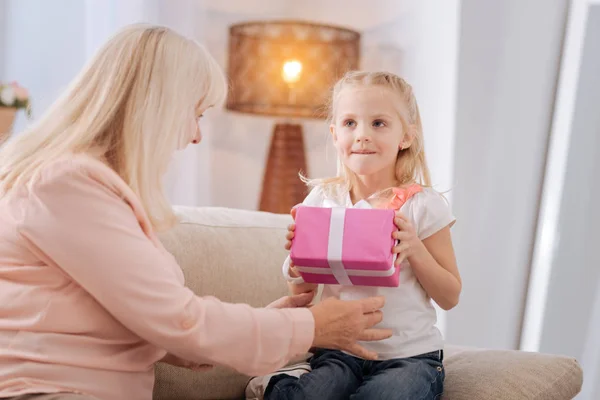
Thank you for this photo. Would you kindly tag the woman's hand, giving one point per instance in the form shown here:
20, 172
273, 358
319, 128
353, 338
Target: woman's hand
180, 362
410, 244
340, 324
297, 300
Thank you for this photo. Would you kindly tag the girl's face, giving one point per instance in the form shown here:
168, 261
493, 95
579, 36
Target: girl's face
367, 130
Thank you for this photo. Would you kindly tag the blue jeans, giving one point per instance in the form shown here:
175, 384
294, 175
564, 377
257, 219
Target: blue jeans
336, 375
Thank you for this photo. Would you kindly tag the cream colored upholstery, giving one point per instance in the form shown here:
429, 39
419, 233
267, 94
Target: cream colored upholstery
236, 256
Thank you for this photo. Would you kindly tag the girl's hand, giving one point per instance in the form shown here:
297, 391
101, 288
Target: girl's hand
290, 236
410, 244
288, 244
291, 229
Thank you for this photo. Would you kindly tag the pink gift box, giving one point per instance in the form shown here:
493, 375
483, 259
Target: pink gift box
345, 246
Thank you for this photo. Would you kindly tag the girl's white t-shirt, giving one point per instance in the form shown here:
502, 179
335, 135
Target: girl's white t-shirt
408, 310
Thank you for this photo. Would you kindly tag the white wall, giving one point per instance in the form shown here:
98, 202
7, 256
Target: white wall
3, 18
508, 66
44, 48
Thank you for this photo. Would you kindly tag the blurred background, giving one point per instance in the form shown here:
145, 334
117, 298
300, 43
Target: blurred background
509, 93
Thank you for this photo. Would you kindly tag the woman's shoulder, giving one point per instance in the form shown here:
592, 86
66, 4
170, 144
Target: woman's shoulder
79, 169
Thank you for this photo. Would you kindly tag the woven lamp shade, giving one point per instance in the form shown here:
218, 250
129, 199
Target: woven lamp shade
261, 84
258, 51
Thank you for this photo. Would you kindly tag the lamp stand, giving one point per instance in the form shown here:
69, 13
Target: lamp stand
282, 188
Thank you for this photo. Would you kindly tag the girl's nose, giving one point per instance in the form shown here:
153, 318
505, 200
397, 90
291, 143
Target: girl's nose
362, 136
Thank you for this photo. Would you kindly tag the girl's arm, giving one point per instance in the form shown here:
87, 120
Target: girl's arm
299, 286
432, 260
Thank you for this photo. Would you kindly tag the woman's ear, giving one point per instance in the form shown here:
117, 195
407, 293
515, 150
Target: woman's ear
332, 131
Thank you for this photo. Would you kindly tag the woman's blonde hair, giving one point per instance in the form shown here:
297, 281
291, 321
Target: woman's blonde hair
131, 106
411, 165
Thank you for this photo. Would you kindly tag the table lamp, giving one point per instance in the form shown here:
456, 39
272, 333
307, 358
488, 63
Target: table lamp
286, 69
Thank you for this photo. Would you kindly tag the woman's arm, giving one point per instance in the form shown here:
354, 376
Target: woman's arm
79, 224
180, 362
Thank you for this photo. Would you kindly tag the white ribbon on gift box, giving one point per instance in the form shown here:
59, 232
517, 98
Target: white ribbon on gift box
334, 246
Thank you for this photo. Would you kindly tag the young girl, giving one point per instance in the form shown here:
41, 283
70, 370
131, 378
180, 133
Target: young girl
376, 130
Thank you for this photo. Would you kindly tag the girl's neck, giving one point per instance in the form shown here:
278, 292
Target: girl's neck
365, 186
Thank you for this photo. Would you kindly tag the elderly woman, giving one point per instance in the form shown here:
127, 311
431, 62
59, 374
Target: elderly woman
89, 298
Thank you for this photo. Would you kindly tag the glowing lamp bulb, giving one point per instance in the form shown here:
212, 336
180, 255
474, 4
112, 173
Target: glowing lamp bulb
291, 71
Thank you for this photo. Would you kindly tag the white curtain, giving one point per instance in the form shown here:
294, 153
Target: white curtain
508, 66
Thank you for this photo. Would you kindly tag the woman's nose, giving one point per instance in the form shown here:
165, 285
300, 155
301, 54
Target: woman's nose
198, 136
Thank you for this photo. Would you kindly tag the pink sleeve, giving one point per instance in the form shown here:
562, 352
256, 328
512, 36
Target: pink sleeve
80, 225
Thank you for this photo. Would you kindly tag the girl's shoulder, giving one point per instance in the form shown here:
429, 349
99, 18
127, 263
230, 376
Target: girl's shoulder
429, 211
429, 197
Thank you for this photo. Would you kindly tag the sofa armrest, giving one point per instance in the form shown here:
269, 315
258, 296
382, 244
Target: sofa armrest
509, 374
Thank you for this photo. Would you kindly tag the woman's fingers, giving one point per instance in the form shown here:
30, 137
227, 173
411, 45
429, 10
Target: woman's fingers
341, 324
298, 300
359, 351
372, 304
371, 335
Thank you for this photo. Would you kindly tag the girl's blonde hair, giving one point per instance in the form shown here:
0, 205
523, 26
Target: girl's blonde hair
411, 164
131, 106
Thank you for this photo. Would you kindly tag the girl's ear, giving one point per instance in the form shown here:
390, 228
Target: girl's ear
409, 137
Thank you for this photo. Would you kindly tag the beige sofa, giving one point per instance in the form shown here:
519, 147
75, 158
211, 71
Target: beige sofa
236, 256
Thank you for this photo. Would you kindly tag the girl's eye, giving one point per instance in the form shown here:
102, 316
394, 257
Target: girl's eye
378, 123
349, 123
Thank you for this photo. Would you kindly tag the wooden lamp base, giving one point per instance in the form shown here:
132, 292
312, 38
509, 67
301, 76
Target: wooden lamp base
282, 188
